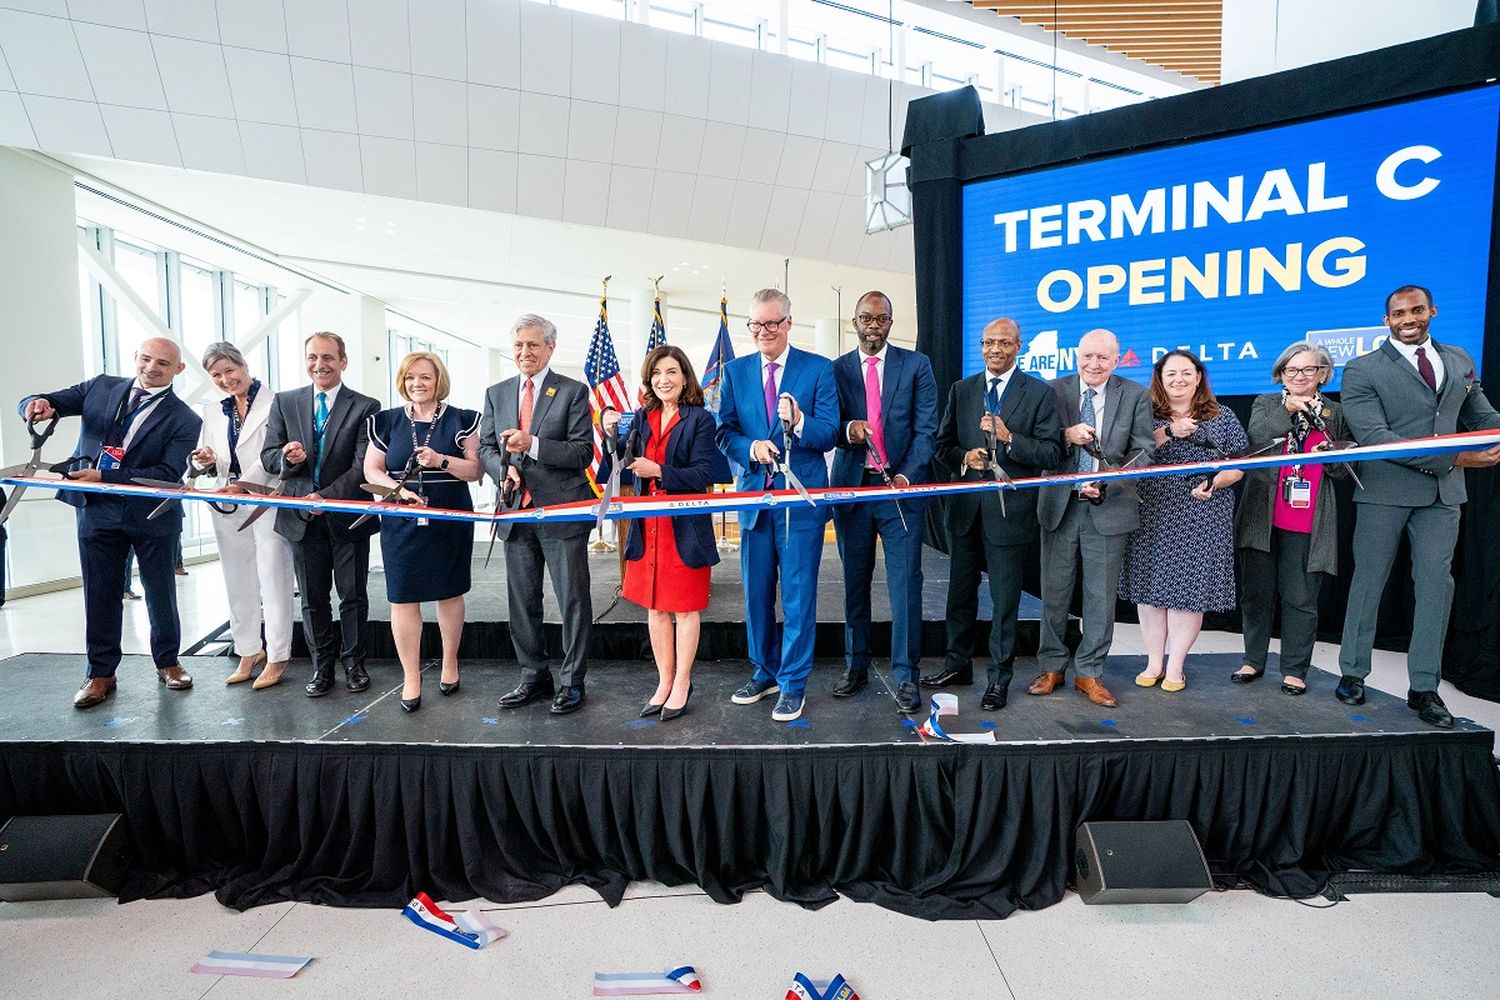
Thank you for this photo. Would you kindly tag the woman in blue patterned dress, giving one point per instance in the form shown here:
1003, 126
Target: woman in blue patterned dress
1180, 562
425, 559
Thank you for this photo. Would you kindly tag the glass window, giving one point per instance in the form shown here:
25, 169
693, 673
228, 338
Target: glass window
198, 324
138, 266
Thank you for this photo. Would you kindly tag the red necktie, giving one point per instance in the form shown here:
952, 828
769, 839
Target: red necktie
528, 400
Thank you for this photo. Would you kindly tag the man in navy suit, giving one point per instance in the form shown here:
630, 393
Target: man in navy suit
779, 387
888, 399
131, 427
1018, 410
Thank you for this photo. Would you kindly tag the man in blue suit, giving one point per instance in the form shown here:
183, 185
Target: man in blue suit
131, 427
888, 399
779, 387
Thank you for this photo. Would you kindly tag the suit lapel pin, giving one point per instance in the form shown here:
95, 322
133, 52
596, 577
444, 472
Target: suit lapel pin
551, 390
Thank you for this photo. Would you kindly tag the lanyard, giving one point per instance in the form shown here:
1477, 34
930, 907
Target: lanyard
411, 425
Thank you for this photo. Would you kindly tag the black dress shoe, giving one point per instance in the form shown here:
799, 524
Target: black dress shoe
321, 684
411, 704
355, 678
850, 683
1242, 678
948, 676
994, 698
527, 692
445, 688
569, 699
1351, 690
1293, 689
1430, 708
908, 699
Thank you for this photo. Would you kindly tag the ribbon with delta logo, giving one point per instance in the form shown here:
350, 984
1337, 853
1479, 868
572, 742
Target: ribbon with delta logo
944, 703
682, 979
836, 988
671, 505
471, 928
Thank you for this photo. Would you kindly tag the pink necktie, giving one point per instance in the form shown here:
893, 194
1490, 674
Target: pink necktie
872, 408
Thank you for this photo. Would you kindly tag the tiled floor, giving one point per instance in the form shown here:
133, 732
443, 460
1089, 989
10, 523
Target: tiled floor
1234, 944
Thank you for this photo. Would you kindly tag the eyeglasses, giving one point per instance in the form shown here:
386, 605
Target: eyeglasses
1307, 372
755, 326
866, 319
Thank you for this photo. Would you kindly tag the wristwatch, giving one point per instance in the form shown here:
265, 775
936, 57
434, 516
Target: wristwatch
444, 464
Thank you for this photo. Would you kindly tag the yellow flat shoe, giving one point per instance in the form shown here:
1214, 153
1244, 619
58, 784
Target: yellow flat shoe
1173, 686
1146, 680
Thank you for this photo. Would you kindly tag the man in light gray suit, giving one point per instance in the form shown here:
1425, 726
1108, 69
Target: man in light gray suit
537, 433
1105, 416
1410, 387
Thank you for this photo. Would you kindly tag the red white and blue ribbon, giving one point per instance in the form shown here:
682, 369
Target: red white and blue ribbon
469, 928
242, 963
836, 988
944, 703
682, 979
669, 505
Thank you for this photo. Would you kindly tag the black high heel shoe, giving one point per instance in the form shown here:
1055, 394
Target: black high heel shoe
444, 688
668, 714
651, 709
411, 704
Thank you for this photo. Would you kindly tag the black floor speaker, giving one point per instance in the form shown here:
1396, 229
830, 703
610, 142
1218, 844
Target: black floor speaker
1139, 862
62, 857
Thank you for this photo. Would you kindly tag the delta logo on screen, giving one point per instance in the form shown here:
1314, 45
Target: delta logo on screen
1234, 248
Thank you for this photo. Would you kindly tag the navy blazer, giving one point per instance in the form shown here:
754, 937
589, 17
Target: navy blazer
688, 469
165, 434
908, 415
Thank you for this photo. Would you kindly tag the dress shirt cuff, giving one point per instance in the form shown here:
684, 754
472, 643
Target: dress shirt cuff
535, 450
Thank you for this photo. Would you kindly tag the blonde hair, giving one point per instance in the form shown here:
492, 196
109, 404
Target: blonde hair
444, 384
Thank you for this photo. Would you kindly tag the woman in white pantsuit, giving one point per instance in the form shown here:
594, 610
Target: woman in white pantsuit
257, 562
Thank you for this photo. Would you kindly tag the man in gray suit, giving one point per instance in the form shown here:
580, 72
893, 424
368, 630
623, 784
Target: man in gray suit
1411, 387
315, 440
537, 433
1103, 416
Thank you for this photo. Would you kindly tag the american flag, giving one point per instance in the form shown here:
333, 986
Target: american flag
602, 372
657, 338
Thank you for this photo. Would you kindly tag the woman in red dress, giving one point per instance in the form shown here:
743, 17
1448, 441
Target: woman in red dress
668, 559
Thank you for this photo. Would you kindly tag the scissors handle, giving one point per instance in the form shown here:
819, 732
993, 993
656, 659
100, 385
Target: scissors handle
39, 438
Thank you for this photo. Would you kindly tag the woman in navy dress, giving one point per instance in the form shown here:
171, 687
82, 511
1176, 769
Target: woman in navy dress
1180, 562
425, 559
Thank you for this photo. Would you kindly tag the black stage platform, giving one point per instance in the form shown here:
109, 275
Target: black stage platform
265, 796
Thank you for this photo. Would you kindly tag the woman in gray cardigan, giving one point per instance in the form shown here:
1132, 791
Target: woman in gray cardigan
1287, 525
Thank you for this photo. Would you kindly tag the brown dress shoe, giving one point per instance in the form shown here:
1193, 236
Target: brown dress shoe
1095, 691
1046, 682
174, 677
93, 692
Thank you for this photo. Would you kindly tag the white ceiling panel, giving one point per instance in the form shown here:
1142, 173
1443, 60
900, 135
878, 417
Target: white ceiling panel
729, 78
183, 19
15, 127
118, 13
378, 34
681, 143
209, 143
252, 24
848, 236
799, 161
7, 82
844, 121
832, 172
723, 146
194, 77
333, 159
596, 59
671, 203
637, 137
539, 185
494, 117
325, 95
493, 30
820, 213
747, 214
630, 198
770, 92
318, 29
784, 219
261, 85
121, 66
643, 67
142, 135
586, 193
390, 166
64, 126
438, 47
442, 174
544, 124
687, 74
761, 159
273, 152
591, 131
546, 50
441, 110
382, 99
709, 217
810, 82
492, 180
43, 56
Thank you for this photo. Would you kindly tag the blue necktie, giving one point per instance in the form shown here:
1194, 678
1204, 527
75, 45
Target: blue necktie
1086, 415
992, 398
320, 420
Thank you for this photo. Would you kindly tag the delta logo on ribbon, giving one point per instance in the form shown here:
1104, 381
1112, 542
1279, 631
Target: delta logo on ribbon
469, 928
682, 979
944, 703
836, 988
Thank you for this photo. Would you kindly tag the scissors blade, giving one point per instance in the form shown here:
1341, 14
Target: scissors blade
611, 490
270, 491
160, 484
384, 497
24, 469
796, 484
10, 503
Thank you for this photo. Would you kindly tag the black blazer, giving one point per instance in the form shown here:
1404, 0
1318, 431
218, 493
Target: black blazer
165, 434
689, 468
1029, 409
346, 436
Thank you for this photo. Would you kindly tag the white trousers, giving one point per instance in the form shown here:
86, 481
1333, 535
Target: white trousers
258, 577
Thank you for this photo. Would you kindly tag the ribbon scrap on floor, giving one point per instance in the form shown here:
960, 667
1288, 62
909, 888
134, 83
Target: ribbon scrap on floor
469, 928
241, 963
944, 703
836, 988
682, 979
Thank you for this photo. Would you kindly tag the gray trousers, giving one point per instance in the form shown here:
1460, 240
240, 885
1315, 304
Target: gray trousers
567, 561
1076, 541
1283, 571
1432, 532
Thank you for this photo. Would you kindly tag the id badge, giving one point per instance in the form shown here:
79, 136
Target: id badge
422, 522
626, 420
110, 457
1297, 492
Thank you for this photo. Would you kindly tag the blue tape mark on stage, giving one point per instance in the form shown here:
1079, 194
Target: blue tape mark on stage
354, 720
799, 724
233, 722
1108, 722
118, 721
1356, 717
1245, 720
986, 725
641, 722
491, 720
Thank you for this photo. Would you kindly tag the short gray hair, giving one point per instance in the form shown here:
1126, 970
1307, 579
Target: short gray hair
223, 351
531, 321
773, 295
1324, 358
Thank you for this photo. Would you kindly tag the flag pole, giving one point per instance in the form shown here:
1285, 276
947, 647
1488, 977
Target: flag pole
725, 543
602, 544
